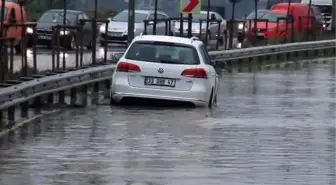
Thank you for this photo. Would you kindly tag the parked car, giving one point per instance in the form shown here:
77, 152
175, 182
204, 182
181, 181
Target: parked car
68, 37
14, 14
211, 33
242, 27
118, 26
283, 28
165, 68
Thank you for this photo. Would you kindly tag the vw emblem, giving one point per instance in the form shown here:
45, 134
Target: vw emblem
160, 70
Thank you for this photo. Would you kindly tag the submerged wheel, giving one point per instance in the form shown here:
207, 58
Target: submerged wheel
211, 100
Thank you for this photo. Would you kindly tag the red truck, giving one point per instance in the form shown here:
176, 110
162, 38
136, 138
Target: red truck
284, 20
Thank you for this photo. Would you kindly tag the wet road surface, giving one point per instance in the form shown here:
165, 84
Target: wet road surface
269, 128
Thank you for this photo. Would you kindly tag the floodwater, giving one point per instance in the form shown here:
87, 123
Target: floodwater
270, 127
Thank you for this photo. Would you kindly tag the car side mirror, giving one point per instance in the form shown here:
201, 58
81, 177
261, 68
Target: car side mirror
109, 20
116, 57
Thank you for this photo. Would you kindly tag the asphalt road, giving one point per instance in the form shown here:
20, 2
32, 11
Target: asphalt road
272, 127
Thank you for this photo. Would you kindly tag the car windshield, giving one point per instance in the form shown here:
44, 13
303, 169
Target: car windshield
259, 15
273, 17
163, 52
198, 17
324, 9
5, 12
123, 17
56, 17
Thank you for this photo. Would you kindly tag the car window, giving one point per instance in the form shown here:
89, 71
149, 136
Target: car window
219, 17
160, 16
57, 17
85, 16
205, 55
163, 52
123, 17
151, 17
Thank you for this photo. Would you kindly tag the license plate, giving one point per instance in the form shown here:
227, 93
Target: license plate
44, 37
114, 34
168, 82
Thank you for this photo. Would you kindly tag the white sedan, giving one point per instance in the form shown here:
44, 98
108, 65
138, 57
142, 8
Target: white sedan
165, 68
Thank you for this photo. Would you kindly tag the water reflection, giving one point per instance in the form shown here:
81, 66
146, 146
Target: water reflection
272, 127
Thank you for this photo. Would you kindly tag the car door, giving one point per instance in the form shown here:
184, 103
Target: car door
87, 29
162, 25
213, 74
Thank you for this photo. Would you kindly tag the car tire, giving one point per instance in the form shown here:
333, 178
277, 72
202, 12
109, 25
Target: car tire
102, 43
211, 99
89, 46
72, 43
18, 48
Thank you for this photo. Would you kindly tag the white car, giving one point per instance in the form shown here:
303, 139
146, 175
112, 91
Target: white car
165, 68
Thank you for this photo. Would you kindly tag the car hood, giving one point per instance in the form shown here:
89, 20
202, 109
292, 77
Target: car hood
122, 26
194, 25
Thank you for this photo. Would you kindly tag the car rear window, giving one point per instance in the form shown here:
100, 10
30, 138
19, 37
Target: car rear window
163, 52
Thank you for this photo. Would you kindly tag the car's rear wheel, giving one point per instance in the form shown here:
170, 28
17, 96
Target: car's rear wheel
72, 43
211, 99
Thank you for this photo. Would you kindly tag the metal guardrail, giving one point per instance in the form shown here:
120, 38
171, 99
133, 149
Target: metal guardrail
269, 50
23, 91
26, 91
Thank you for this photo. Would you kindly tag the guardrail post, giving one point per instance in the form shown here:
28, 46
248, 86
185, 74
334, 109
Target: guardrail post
107, 85
11, 116
24, 109
61, 97
95, 93
1, 121
11, 59
84, 91
50, 98
73, 95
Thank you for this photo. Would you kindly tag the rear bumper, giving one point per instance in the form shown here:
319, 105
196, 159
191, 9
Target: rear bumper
123, 39
120, 89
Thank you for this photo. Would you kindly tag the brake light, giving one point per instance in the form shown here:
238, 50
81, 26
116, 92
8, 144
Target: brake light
195, 73
128, 67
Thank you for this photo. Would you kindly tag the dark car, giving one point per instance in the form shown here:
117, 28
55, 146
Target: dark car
68, 37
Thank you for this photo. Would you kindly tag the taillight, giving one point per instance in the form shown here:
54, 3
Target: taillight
195, 73
128, 67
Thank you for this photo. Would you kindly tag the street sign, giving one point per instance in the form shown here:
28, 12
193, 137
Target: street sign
190, 6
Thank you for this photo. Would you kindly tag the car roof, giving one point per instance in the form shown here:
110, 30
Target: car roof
169, 39
68, 11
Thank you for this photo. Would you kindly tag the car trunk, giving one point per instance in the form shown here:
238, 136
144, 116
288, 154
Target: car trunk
160, 76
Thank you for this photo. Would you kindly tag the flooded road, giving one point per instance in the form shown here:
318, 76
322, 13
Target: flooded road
269, 128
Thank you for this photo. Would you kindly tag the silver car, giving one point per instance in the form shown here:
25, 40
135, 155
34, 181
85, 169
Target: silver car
118, 26
196, 18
